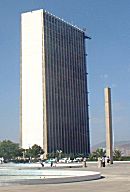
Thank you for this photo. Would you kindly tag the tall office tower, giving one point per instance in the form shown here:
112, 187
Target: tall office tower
54, 98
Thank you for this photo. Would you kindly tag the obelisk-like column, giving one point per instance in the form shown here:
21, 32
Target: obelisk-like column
108, 117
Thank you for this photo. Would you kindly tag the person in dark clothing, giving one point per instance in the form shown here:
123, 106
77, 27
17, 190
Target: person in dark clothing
51, 163
103, 161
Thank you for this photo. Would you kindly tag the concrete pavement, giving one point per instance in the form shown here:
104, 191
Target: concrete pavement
116, 178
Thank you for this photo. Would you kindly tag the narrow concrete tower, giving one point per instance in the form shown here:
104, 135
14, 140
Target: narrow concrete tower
108, 117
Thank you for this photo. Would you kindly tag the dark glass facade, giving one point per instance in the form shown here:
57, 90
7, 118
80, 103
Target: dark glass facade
66, 87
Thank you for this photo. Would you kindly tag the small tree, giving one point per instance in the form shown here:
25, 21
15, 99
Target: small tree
92, 156
9, 150
51, 155
117, 155
59, 154
34, 152
100, 152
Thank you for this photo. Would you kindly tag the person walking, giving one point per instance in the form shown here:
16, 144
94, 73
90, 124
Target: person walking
103, 161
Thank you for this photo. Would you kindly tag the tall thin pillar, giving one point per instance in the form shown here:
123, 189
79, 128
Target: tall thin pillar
108, 117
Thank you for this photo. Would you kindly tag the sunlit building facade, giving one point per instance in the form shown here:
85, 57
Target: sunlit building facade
53, 81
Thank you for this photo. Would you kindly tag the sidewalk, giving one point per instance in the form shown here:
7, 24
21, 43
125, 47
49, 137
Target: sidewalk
116, 178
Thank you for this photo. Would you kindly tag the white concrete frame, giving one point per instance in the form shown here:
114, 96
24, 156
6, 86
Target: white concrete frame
31, 79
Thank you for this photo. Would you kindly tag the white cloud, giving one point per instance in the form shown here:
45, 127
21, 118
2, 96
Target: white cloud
104, 76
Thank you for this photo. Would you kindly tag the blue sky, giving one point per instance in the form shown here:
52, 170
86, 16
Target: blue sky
108, 23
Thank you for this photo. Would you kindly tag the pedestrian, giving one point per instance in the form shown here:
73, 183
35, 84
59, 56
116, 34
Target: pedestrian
51, 163
108, 159
103, 161
99, 162
42, 164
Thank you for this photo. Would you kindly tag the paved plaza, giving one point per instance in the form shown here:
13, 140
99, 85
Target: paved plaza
115, 178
